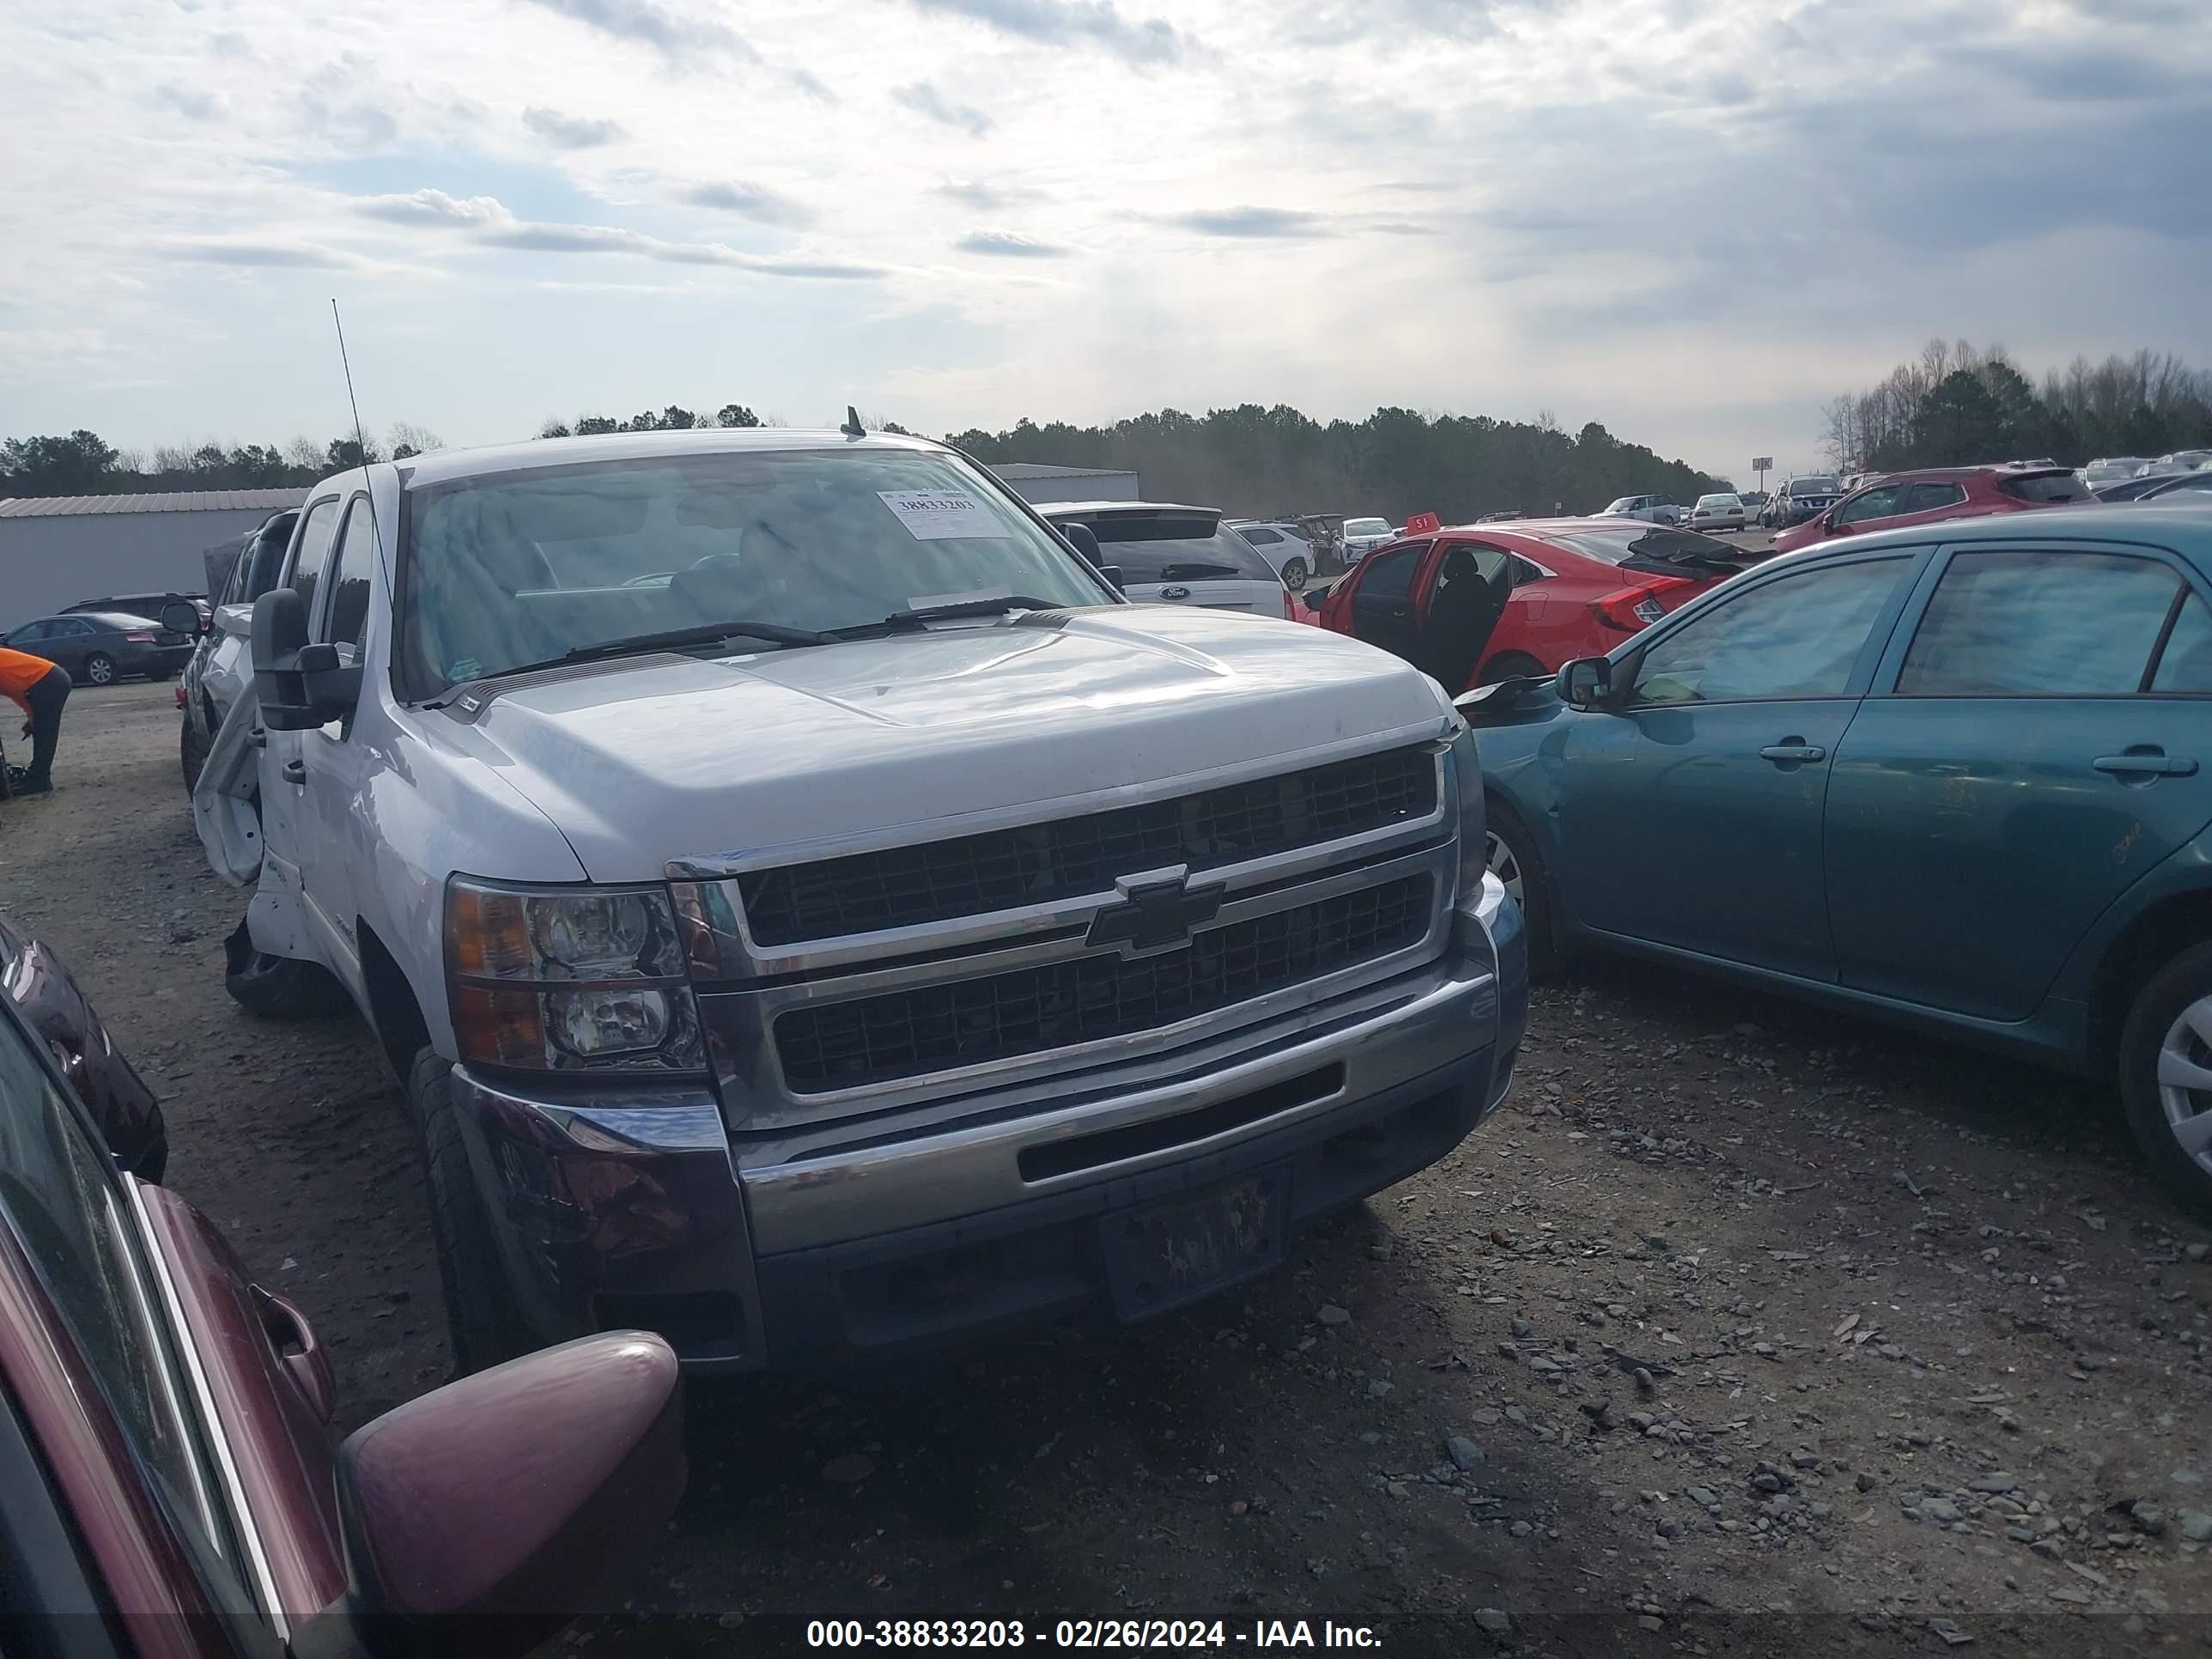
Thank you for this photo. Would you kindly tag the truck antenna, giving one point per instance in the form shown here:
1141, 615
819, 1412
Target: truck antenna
852, 429
360, 436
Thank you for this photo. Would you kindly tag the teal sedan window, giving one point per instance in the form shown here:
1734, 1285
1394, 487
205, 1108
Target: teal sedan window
2186, 663
2039, 624
1797, 637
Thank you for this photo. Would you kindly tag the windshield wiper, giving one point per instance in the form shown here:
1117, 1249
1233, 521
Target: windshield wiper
676, 639
1197, 573
921, 616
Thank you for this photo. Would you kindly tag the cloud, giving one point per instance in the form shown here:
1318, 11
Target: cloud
1335, 25
483, 219
974, 193
433, 207
752, 201
1253, 222
923, 99
192, 101
641, 21
813, 86
1009, 245
298, 256
1073, 22
570, 131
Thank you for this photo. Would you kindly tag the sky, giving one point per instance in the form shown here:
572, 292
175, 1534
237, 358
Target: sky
1693, 221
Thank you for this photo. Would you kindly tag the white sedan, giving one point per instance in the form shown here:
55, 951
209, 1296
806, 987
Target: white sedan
1722, 512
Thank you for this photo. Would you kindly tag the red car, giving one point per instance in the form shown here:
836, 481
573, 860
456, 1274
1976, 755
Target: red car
1900, 500
1564, 588
171, 1489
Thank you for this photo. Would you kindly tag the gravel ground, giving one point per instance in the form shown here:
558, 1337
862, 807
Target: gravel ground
1741, 1330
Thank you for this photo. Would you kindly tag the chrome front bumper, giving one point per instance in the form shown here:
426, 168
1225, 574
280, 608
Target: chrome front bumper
753, 1251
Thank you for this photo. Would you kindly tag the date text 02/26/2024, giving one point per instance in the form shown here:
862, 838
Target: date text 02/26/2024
1087, 1634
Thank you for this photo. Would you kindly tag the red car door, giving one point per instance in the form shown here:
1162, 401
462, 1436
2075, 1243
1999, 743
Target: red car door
1460, 596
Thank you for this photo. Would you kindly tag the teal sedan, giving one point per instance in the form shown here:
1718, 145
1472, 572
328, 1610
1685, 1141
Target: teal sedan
1958, 776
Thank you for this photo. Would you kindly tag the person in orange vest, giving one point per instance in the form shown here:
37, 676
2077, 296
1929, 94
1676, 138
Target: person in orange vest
39, 689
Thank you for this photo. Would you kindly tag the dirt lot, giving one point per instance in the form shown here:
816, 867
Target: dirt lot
1741, 1330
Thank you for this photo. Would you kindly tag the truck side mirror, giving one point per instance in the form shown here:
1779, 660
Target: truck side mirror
300, 686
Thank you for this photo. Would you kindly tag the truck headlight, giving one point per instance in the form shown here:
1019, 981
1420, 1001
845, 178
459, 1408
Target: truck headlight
568, 978
1466, 777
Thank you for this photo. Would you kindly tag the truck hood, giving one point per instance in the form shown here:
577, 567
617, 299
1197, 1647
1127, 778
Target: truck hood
650, 761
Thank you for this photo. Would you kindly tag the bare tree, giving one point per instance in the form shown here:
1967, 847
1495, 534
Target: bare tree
409, 439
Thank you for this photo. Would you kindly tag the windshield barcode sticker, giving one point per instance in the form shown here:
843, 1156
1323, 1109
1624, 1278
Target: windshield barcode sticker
937, 515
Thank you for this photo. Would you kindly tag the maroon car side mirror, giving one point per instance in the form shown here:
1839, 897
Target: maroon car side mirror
482, 1517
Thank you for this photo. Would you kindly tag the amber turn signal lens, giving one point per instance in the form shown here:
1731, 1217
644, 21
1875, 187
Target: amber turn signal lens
490, 934
499, 1027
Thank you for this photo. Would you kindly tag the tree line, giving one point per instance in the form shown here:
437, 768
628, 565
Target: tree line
1266, 462
1958, 405
1246, 460
83, 463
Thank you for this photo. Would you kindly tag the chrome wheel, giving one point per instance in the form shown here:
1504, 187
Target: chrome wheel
2185, 1080
1502, 864
1294, 575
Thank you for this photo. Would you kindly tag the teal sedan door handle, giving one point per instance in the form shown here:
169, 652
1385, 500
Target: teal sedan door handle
2146, 762
1796, 752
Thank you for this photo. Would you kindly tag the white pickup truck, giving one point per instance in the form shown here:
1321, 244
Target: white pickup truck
817, 918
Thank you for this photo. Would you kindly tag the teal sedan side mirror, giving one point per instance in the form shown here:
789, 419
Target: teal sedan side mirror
1586, 682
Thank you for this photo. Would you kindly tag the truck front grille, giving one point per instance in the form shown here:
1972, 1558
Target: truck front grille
1039, 863
937, 1028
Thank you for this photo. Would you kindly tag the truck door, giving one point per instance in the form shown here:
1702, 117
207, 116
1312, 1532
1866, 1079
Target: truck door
330, 762
283, 777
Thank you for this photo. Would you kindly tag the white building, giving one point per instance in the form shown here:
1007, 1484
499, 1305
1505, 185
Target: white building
58, 549
1034, 482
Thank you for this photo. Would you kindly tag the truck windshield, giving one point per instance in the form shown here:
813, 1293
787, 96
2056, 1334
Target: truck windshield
508, 568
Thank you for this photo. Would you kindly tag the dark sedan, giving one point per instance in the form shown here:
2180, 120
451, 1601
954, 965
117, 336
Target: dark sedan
99, 647
171, 1484
41, 985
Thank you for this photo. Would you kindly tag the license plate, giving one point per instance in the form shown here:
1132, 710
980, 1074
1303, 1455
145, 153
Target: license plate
1166, 1254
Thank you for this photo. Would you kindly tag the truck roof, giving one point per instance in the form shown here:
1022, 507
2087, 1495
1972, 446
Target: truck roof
440, 465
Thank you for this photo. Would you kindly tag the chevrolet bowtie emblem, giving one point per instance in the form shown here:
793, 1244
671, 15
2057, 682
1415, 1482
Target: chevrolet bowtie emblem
1157, 912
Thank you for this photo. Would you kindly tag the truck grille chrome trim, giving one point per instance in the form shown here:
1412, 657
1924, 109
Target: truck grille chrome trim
954, 1024
1067, 858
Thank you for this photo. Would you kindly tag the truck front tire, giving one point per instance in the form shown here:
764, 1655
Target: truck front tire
480, 1321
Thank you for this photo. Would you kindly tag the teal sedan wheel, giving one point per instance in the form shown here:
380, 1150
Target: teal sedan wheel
2166, 1075
1512, 855
1498, 856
